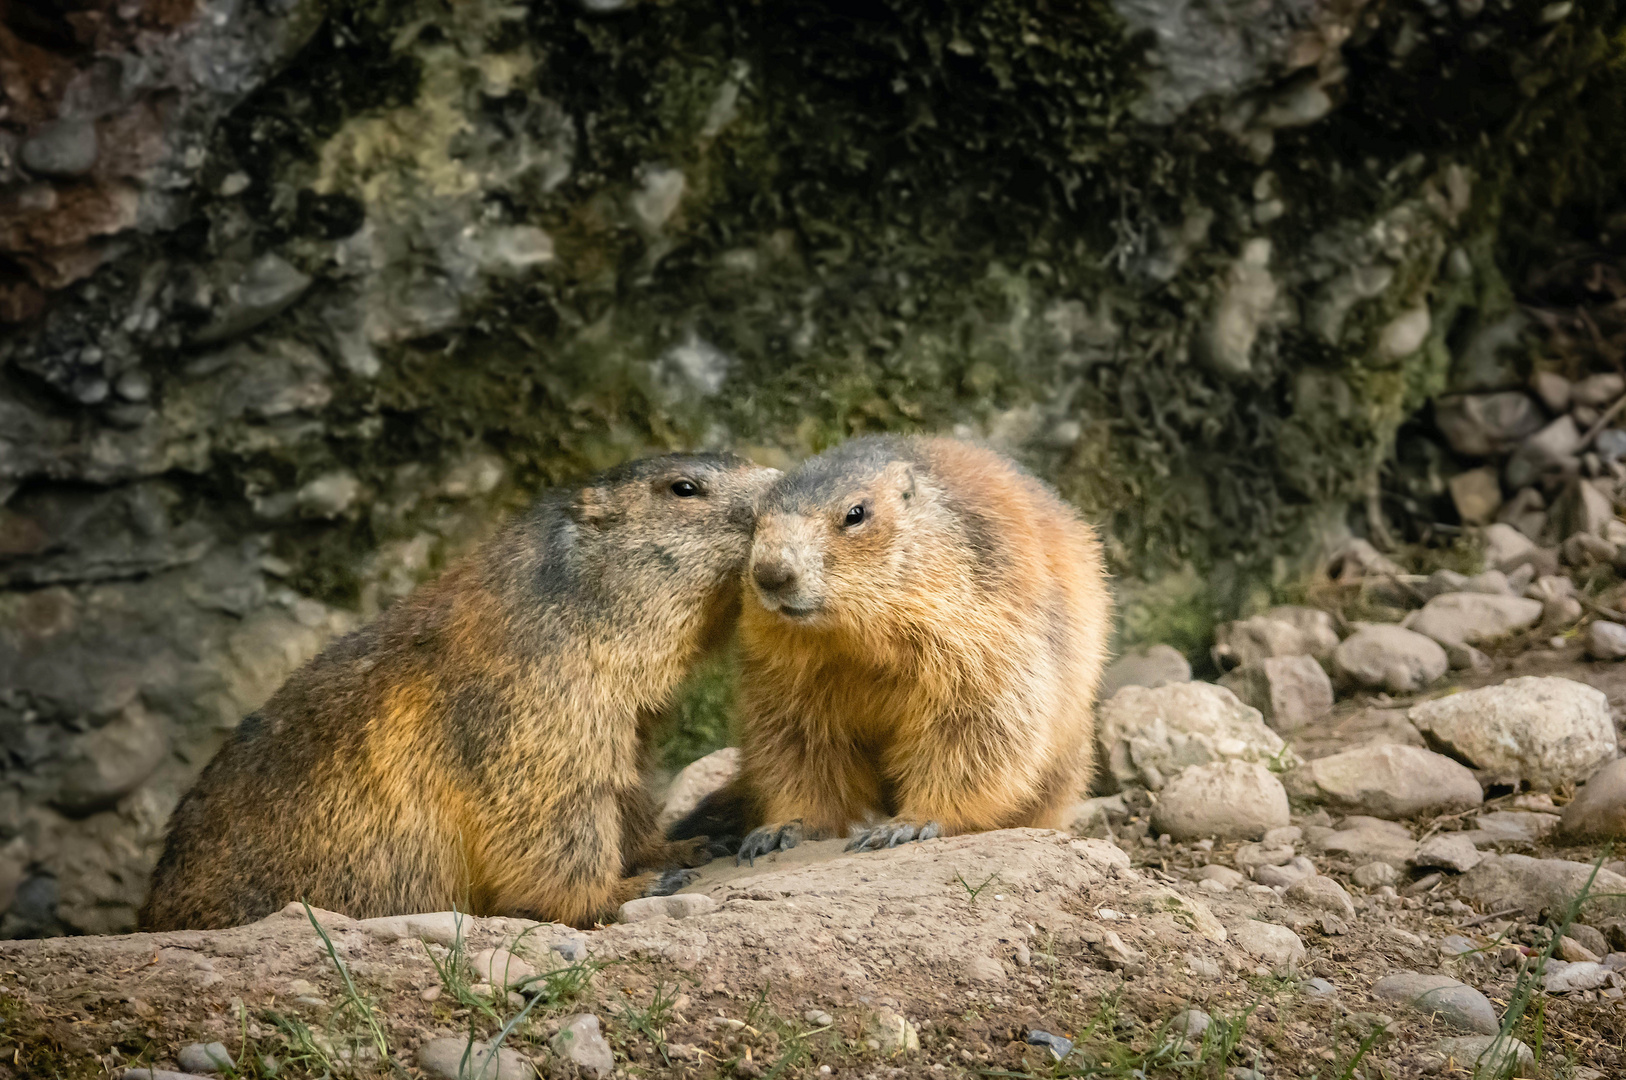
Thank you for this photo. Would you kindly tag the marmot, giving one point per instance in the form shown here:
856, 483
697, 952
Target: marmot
925, 633
481, 744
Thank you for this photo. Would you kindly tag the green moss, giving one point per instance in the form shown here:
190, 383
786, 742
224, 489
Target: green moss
701, 717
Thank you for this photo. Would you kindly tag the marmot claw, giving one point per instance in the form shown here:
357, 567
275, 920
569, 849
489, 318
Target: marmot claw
768, 839
670, 881
890, 834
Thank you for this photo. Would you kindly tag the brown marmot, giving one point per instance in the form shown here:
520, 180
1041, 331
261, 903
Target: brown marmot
481, 744
926, 629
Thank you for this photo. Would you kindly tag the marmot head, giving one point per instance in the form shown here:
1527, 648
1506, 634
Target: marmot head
664, 529
834, 537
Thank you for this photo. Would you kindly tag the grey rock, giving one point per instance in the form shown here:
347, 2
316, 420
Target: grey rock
1610, 445
1321, 893
1598, 391
1586, 975
1358, 559
501, 968
1226, 799
1250, 857
1605, 640
1465, 657
1153, 666
1473, 618
1507, 547
892, 1032
1373, 874
1287, 874
1553, 389
1288, 691
1544, 732
109, 762
1547, 451
1390, 658
1226, 876
676, 906
1059, 1046
1319, 987
1284, 631
1448, 851
444, 1059
1511, 827
1533, 886
1582, 509
329, 495
63, 148
1275, 945
1491, 583
1477, 495
818, 1018
1486, 425
1190, 1023
1369, 844
1442, 581
1485, 1055
263, 290
1453, 1002
572, 950
580, 1041
1598, 811
1387, 780
1591, 938
158, 1074
697, 780
1148, 734
205, 1058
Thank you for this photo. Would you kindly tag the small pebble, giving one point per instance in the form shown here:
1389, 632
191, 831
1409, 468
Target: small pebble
1320, 987
1059, 1047
204, 1058
818, 1018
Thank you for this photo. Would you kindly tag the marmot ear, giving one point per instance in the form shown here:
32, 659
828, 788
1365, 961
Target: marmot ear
900, 475
593, 508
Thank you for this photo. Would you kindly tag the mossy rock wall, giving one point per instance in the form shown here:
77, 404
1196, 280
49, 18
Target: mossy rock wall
327, 289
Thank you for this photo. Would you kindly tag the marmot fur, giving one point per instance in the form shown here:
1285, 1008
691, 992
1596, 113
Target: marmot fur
926, 628
481, 744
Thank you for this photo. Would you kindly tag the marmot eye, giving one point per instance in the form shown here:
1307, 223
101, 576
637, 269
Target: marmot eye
685, 489
855, 516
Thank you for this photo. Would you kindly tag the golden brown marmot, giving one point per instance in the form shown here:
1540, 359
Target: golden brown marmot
481, 744
925, 633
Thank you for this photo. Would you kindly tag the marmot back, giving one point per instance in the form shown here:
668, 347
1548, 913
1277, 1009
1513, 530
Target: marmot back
924, 633
482, 743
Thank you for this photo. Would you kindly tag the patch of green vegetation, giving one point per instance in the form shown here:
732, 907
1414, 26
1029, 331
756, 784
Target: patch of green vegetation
701, 717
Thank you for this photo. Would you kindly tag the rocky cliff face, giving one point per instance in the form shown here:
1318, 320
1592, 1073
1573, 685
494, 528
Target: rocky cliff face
298, 299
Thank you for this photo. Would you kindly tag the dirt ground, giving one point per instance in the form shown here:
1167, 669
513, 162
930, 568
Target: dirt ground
935, 959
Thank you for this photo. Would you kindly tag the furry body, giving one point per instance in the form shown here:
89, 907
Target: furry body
933, 663
481, 744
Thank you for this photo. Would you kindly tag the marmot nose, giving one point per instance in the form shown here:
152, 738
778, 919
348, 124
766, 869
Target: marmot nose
772, 575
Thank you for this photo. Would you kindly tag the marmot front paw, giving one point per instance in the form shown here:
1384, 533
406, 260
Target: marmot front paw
668, 882
768, 839
889, 834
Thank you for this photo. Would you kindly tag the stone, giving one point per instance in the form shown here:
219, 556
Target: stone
676, 906
1473, 618
1549, 587
1321, 893
1442, 581
265, 288
1250, 857
1373, 874
1548, 451
1586, 975
1543, 732
1533, 886
443, 1059
1453, 1003
1387, 780
1224, 799
1448, 851
1491, 583
982, 968
1589, 938
892, 1032
501, 968
1380, 657
1584, 550
1598, 811
1190, 1024
1294, 870
1605, 640
818, 1018
1511, 827
1477, 495
1153, 666
1553, 390
1226, 876
1148, 734
1058, 1045
1507, 547
1280, 632
1275, 945
1358, 559
109, 762
1582, 509
1598, 391
1485, 1056
580, 1042
1572, 951
1287, 834
697, 780
158, 1074
1370, 845
205, 1058
1288, 691
1487, 425
1610, 445
62, 148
